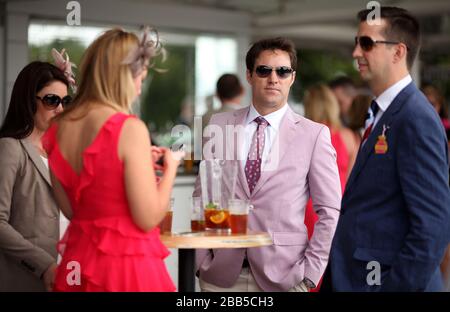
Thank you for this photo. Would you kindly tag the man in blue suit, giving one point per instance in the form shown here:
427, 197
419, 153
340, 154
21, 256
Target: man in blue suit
395, 215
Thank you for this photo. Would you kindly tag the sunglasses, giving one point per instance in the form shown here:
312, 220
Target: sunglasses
52, 100
366, 43
264, 71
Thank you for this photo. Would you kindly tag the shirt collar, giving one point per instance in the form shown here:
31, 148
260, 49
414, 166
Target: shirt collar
274, 119
385, 99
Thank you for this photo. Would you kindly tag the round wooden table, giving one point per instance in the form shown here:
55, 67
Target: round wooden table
187, 242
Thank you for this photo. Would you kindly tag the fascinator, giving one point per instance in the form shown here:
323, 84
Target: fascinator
149, 46
62, 62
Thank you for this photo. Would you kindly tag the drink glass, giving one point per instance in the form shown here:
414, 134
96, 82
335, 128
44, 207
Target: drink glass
217, 181
239, 209
166, 224
216, 218
197, 216
189, 163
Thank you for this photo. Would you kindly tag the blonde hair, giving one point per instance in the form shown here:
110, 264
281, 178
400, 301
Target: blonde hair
322, 106
104, 78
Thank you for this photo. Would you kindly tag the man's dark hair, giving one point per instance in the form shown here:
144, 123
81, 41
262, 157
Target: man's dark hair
278, 43
19, 120
341, 81
401, 26
228, 87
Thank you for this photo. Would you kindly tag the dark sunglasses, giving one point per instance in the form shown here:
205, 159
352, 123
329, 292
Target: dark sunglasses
366, 43
264, 71
53, 100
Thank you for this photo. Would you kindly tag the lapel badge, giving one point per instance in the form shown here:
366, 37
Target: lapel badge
381, 147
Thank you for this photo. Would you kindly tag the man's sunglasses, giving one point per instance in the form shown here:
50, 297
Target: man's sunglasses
53, 100
366, 43
264, 71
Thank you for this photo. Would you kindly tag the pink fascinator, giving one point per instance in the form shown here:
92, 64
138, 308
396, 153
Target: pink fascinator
149, 47
62, 62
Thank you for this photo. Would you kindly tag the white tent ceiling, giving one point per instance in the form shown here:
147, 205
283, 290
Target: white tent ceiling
325, 24
321, 22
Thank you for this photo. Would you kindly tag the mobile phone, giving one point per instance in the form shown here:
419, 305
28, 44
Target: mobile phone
161, 159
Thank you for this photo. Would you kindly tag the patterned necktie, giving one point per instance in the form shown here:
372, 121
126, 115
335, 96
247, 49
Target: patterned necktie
370, 120
253, 164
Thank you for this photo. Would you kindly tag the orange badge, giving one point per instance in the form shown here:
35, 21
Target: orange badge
381, 147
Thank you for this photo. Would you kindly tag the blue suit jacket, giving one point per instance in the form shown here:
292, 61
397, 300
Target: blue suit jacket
396, 206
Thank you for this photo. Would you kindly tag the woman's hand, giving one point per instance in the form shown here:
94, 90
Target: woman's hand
172, 159
157, 153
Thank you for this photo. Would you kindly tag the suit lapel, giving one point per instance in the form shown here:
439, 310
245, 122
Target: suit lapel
386, 119
238, 120
36, 159
280, 146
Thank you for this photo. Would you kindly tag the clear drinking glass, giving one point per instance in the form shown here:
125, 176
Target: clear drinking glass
239, 209
197, 215
166, 224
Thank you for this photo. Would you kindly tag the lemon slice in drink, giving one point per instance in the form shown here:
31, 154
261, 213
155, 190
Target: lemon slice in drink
218, 218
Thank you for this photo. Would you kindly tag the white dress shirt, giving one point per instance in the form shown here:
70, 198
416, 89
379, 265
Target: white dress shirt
45, 160
271, 131
385, 99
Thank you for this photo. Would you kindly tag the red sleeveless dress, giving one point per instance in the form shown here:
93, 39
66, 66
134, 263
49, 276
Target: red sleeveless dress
102, 243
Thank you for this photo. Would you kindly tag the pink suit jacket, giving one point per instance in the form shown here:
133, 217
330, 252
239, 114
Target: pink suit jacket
306, 167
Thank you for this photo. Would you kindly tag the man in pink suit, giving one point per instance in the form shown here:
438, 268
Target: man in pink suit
284, 159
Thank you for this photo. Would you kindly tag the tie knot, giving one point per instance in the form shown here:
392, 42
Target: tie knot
261, 121
373, 108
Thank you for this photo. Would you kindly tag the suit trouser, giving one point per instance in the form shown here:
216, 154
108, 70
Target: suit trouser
245, 283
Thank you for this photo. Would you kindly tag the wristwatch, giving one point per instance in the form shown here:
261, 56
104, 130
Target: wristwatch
308, 283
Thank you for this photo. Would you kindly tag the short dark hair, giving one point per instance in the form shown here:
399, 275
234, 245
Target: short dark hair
401, 26
278, 43
341, 81
19, 120
228, 87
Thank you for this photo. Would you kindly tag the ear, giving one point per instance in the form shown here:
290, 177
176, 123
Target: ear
249, 76
400, 53
293, 78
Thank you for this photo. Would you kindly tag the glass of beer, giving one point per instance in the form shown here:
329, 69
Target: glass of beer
197, 216
239, 209
216, 218
166, 224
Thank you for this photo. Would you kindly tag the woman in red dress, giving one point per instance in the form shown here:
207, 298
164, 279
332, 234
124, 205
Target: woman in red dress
322, 106
103, 174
